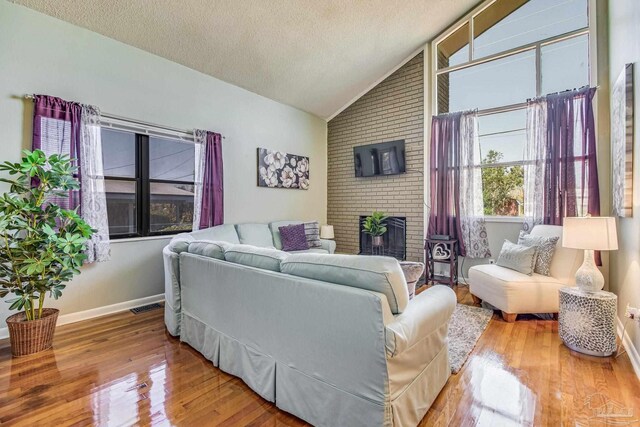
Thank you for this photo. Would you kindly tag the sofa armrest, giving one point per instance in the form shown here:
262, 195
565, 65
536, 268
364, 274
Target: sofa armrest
426, 313
172, 297
328, 245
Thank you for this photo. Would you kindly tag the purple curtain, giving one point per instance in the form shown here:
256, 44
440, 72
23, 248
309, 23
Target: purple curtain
212, 209
56, 130
571, 178
445, 178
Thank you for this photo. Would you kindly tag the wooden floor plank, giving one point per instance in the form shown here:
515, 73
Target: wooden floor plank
125, 369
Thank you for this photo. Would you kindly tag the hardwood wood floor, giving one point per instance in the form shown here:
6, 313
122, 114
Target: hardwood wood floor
125, 369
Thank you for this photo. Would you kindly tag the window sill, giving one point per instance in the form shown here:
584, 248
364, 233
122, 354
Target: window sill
140, 239
508, 219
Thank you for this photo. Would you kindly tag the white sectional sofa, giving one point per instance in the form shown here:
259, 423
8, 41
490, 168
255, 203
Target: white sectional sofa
332, 339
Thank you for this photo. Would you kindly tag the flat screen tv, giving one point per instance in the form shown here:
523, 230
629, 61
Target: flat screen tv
385, 158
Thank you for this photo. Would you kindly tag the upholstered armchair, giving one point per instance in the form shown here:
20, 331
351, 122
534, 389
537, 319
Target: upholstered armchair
516, 293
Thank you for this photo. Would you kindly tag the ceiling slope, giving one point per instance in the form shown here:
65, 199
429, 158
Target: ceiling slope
316, 55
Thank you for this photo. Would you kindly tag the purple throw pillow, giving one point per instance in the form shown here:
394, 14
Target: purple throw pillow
293, 238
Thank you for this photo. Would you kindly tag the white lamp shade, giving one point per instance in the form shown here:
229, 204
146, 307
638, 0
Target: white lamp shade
591, 232
326, 232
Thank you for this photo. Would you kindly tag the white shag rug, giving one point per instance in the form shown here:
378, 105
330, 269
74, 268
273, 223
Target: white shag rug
466, 325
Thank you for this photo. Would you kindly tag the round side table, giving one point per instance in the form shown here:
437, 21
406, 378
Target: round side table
586, 322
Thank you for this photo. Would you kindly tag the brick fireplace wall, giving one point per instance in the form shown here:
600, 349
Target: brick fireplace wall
392, 110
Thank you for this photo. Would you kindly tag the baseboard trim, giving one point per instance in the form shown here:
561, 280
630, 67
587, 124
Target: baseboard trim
98, 311
628, 345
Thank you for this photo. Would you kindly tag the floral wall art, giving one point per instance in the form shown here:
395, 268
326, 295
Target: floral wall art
277, 169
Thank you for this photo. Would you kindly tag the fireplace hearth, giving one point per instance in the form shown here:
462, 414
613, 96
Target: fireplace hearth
394, 240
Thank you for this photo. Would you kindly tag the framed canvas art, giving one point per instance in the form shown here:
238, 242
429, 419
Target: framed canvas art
277, 169
622, 143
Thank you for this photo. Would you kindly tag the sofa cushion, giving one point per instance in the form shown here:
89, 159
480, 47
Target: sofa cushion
293, 237
565, 261
255, 235
275, 231
180, 242
310, 251
516, 257
312, 232
253, 256
208, 248
514, 292
545, 248
219, 233
374, 273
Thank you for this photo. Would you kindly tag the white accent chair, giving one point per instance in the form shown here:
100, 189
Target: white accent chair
515, 293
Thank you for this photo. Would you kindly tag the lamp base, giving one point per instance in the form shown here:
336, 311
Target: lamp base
588, 277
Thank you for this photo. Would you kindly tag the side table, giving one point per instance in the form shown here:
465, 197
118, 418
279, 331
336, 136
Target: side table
586, 321
412, 272
450, 259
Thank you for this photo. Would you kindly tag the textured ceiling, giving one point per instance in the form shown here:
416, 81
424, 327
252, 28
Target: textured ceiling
316, 55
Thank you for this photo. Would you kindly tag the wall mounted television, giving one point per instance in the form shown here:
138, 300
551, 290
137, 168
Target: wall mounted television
385, 158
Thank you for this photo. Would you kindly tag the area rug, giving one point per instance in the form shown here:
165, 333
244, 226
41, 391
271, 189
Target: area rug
466, 325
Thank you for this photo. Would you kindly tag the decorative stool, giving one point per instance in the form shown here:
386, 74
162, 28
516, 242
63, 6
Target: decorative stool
412, 273
587, 321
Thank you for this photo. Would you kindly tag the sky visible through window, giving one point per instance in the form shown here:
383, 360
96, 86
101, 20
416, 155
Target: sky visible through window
511, 80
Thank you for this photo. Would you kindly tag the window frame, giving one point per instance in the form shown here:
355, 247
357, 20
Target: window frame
590, 30
143, 184
536, 46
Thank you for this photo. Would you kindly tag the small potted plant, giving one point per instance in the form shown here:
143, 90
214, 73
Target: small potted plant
41, 245
375, 226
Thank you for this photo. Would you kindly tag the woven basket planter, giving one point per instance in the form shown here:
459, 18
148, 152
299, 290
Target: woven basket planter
34, 336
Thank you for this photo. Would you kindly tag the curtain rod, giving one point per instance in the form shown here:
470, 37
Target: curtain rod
513, 107
565, 91
134, 121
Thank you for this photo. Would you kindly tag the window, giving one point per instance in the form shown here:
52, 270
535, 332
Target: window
503, 53
149, 183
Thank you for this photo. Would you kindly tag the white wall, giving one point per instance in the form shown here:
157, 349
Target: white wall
624, 48
39, 54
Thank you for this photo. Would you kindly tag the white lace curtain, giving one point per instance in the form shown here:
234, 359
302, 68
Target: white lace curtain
536, 159
472, 224
92, 185
199, 137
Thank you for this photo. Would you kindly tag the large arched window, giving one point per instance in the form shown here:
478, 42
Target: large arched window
501, 54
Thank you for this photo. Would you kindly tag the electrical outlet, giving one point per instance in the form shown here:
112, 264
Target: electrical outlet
632, 313
492, 261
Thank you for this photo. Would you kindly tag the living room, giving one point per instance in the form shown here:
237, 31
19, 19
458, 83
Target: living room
330, 213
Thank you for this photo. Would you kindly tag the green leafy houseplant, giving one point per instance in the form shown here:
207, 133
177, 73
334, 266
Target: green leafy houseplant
374, 225
41, 244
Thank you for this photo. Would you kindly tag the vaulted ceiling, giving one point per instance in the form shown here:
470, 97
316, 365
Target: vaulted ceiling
316, 55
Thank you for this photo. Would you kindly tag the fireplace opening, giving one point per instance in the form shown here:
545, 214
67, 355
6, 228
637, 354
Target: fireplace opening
393, 241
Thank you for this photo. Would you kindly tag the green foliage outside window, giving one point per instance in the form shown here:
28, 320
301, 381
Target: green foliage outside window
503, 193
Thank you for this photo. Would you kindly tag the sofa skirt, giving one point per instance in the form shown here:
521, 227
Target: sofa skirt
293, 391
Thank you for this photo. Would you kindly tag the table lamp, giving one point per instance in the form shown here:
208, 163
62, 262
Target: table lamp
591, 233
326, 232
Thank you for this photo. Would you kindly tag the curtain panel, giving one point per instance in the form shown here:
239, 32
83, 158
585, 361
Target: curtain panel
93, 201
72, 129
472, 224
572, 176
56, 130
535, 165
208, 208
561, 174
456, 183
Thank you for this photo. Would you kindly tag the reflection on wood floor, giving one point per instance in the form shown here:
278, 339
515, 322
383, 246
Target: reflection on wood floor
125, 369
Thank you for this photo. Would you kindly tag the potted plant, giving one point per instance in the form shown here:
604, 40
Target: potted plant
375, 226
41, 245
